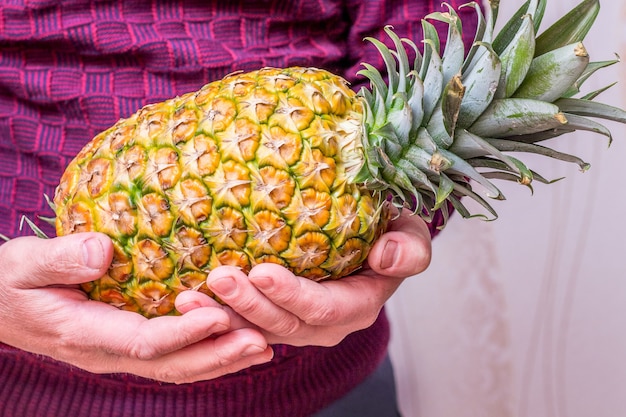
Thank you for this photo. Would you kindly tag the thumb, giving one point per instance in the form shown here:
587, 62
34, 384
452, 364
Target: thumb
33, 262
404, 250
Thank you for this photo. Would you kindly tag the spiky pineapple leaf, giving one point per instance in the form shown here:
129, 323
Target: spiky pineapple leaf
50, 202
38, 232
596, 93
403, 60
516, 59
468, 192
433, 82
583, 123
552, 74
431, 34
446, 187
454, 53
543, 135
468, 145
493, 163
509, 112
379, 86
517, 116
571, 28
480, 82
509, 31
49, 220
513, 146
588, 72
480, 36
582, 107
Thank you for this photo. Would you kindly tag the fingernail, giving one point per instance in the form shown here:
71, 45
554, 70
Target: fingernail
188, 306
224, 286
389, 254
93, 253
252, 350
263, 283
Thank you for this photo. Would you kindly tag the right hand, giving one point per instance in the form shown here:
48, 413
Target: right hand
43, 311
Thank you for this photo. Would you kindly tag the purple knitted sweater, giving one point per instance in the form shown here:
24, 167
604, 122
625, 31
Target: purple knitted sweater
69, 69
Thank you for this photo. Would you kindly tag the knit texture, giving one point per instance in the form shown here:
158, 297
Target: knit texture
69, 69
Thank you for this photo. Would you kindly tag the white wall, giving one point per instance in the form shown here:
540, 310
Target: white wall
526, 316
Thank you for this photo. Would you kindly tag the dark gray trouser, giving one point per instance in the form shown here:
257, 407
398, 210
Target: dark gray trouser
374, 397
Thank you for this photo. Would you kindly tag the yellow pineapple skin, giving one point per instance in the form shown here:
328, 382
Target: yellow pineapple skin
256, 167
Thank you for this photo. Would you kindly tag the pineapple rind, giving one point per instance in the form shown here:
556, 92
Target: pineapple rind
254, 168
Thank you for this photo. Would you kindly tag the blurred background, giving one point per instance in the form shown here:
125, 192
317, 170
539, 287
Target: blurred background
526, 316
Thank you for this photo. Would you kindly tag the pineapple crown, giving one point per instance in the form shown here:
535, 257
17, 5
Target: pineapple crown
450, 118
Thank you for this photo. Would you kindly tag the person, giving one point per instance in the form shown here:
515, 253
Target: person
287, 346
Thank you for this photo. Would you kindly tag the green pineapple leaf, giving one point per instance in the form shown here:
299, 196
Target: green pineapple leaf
38, 232
583, 123
594, 94
588, 72
582, 107
509, 31
571, 28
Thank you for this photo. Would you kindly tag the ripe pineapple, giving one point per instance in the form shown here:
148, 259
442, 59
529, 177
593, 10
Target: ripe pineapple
291, 166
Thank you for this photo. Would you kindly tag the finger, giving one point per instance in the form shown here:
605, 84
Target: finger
191, 300
212, 359
235, 366
207, 359
72, 259
236, 290
166, 334
351, 300
404, 250
128, 334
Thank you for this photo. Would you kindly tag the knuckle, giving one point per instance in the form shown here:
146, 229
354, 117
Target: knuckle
59, 261
142, 350
325, 316
223, 360
224, 357
184, 335
246, 305
288, 327
170, 372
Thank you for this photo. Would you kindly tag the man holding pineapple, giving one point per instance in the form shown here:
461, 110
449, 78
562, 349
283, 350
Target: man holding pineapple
65, 355
226, 212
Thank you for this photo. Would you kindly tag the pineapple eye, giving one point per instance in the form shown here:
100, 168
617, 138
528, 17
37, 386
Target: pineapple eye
185, 125
155, 217
152, 261
97, 173
218, 116
271, 234
121, 137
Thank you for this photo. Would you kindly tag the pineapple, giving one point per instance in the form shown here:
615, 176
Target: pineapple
293, 167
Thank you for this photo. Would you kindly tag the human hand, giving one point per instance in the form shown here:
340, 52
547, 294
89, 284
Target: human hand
297, 311
42, 310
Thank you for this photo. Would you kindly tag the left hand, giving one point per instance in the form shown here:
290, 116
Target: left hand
289, 309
